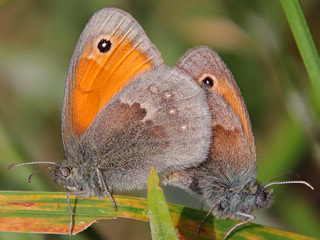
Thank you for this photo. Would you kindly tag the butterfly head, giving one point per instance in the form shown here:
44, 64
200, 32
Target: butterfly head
264, 198
66, 175
232, 199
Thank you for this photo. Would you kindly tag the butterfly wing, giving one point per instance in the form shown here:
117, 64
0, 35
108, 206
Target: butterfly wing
233, 141
111, 51
160, 119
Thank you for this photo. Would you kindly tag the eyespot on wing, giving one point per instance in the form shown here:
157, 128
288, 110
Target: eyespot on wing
112, 50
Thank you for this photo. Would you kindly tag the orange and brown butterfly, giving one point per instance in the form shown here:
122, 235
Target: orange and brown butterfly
125, 111
227, 180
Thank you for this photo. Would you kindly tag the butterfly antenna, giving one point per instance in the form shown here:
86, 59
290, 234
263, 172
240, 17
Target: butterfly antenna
35, 172
289, 182
30, 163
283, 175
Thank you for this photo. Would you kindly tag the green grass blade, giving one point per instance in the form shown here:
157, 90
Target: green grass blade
45, 212
305, 43
160, 219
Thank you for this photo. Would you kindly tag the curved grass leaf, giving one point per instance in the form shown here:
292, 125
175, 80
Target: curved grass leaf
160, 220
45, 212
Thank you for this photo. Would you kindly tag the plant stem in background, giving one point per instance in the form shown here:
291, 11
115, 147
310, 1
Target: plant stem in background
305, 43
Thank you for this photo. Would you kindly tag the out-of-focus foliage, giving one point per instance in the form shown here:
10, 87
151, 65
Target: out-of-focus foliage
37, 39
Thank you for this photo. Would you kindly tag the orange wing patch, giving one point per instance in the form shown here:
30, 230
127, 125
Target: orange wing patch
229, 93
100, 76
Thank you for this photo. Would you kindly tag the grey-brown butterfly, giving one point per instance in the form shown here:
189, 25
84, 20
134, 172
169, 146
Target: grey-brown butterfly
124, 111
227, 180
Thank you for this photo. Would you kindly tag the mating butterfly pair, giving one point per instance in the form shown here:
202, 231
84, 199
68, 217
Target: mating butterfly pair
124, 111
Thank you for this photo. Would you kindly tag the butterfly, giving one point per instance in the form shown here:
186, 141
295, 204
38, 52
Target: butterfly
125, 111
227, 180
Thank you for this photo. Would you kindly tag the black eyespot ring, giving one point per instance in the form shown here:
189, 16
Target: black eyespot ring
104, 45
207, 82
65, 171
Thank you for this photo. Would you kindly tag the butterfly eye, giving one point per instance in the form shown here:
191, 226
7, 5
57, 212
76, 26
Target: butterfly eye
262, 196
207, 82
65, 171
104, 45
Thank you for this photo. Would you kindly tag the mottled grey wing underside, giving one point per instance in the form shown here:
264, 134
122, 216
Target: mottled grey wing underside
161, 119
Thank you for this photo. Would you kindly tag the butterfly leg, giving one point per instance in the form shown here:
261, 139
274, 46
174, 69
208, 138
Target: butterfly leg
70, 209
104, 187
71, 214
204, 219
250, 218
202, 205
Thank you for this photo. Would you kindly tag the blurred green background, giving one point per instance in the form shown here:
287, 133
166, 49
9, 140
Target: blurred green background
37, 39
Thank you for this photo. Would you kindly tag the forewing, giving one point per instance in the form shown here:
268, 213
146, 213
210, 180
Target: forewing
233, 141
112, 50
